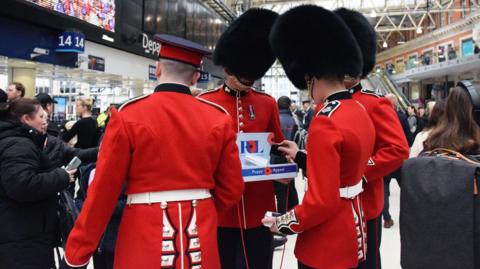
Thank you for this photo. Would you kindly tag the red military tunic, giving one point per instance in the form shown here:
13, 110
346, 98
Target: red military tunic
340, 142
251, 111
390, 150
166, 141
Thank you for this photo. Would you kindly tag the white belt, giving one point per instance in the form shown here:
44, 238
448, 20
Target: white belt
168, 196
351, 191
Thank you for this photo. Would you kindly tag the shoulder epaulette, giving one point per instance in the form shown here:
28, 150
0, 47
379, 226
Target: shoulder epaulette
370, 92
329, 108
133, 100
210, 91
219, 107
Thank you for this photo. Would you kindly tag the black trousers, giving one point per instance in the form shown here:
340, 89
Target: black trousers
397, 174
103, 260
258, 246
27, 256
374, 237
284, 192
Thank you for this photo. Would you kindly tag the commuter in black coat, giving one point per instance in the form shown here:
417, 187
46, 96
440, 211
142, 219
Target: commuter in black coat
48, 103
60, 153
387, 218
86, 128
29, 184
286, 194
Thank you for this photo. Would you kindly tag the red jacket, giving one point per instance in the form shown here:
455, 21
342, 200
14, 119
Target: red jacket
340, 142
165, 141
391, 148
251, 111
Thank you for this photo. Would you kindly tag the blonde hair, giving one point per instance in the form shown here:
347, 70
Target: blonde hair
87, 103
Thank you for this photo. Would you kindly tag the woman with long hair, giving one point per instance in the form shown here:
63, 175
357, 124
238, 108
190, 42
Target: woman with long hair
412, 119
435, 114
457, 129
28, 188
438, 208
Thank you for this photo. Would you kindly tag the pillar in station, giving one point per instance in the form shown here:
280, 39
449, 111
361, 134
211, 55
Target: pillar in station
135, 91
26, 76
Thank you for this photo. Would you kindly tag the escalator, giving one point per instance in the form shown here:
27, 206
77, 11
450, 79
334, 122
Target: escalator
381, 83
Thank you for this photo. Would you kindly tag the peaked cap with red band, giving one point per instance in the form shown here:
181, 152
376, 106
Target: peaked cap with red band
181, 50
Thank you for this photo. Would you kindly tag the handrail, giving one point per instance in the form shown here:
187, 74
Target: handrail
382, 83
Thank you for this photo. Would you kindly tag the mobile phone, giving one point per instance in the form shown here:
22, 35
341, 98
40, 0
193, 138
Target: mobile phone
272, 214
73, 164
274, 150
269, 218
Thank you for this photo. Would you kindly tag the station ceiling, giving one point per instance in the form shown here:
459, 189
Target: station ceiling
396, 21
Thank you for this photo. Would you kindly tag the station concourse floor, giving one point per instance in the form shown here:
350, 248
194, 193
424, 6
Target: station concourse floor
390, 246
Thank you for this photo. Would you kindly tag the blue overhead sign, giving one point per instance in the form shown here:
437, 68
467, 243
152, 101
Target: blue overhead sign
33, 43
152, 72
204, 77
71, 42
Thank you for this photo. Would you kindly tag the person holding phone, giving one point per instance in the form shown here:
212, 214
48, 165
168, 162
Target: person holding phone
29, 184
329, 222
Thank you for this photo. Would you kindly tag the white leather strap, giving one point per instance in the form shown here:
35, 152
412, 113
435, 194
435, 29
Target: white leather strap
168, 196
351, 192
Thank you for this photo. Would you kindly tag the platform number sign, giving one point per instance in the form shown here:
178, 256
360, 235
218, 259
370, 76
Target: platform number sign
71, 42
204, 77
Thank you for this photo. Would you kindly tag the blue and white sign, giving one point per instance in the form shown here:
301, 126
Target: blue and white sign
33, 43
204, 77
71, 42
254, 149
152, 72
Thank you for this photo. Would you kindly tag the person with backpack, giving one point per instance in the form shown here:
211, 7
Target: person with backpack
439, 201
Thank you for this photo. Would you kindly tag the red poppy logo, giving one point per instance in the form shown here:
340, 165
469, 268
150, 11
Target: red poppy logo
270, 138
252, 146
268, 171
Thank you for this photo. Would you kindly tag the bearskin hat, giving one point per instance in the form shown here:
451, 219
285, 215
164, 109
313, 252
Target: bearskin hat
365, 35
310, 41
243, 49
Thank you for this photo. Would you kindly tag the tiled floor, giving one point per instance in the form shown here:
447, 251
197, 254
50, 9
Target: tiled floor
390, 247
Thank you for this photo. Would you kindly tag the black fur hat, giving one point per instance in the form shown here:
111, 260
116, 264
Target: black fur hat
243, 49
310, 41
365, 35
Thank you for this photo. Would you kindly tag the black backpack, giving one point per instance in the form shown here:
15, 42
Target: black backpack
69, 208
67, 215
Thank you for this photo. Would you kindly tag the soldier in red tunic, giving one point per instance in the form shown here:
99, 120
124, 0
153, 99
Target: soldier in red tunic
243, 50
317, 51
391, 147
179, 169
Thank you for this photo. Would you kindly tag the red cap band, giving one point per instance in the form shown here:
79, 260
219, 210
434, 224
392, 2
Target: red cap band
180, 54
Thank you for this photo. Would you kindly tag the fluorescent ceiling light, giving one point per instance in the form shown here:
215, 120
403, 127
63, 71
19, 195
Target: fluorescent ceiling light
107, 38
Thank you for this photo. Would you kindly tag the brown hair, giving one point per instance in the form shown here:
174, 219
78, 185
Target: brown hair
457, 129
19, 86
16, 109
435, 115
